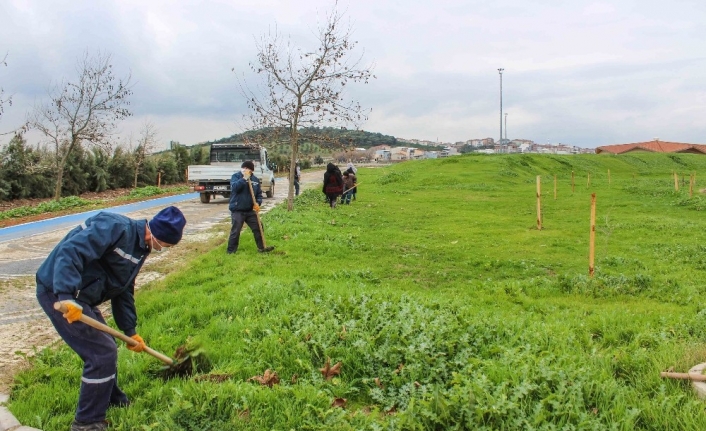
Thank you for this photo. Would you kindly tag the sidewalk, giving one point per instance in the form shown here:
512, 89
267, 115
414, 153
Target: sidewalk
7, 421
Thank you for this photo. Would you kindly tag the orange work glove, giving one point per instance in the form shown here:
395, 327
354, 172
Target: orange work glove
73, 311
256, 207
140, 347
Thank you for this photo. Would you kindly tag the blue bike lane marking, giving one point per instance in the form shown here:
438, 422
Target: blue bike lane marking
42, 226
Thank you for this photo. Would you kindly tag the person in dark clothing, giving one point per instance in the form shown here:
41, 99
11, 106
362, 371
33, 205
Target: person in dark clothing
352, 171
348, 187
297, 178
96, 262
242, 208
333, 184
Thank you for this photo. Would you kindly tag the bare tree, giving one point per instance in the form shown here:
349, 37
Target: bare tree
7, 100
86, 110
145, 146
305, 88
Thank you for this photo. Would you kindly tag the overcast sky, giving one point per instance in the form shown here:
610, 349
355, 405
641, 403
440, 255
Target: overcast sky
586, 73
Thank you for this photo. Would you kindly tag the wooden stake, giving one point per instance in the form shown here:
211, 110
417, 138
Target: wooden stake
554, 187
608, 176
588, 180
676, 182
592, 237
691, 185
539, 202
159, 179
572, 182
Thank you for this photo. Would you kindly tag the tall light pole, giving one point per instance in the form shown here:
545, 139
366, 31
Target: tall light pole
501, 104
506, 126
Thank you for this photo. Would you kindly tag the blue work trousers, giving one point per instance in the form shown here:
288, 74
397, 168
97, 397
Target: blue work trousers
98, 350
238, 219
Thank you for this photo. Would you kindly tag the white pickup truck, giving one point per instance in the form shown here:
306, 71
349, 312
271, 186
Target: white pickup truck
226, 159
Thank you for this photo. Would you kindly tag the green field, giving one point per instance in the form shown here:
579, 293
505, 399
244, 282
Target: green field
445, 305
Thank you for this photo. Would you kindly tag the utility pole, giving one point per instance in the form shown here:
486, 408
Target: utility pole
500, 71
506, 126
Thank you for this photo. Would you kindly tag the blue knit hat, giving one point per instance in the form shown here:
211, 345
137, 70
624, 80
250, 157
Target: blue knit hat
168, 225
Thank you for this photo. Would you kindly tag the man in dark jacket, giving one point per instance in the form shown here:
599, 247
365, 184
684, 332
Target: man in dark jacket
242, 208
96, 262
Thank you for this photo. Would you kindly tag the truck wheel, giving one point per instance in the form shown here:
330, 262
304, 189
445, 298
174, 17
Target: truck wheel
271, 191
205, 198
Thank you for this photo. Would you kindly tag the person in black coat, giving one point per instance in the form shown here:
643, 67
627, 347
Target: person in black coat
333, 184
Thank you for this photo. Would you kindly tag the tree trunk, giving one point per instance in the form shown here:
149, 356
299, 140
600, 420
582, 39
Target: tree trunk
59, 182
60, 172
294, 142
137, 173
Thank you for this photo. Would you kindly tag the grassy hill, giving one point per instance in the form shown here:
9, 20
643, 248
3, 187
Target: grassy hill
445, 305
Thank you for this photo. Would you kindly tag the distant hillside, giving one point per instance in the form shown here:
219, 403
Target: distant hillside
324, 136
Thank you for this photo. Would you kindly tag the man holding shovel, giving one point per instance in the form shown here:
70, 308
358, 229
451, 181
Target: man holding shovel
245, 201
98, 261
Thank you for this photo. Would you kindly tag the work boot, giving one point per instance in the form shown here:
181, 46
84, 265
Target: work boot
266, 249
93, 426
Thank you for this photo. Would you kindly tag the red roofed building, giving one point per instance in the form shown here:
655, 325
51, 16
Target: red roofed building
655, 146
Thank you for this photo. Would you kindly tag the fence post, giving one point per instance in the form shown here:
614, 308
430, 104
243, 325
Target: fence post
592, 237
691, 185
676, 182
539, 202
608, 176
554, 187
159, 179
588, 180
572, 182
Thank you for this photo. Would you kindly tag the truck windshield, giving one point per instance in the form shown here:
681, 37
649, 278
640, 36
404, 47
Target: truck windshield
234, 155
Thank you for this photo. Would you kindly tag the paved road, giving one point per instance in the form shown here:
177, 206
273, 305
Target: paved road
69, 221
23, 248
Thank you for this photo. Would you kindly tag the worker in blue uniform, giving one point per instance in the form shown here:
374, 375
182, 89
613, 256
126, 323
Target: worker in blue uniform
98, 262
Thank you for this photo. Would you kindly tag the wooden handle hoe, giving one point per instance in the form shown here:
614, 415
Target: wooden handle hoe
257, 214
58, 306
346, 191
684, 376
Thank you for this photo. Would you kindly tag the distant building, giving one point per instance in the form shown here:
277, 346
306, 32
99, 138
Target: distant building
655, 146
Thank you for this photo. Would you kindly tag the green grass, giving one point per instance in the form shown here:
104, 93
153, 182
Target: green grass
446, 306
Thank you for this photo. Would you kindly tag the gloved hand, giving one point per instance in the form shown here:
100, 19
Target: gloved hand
246, 173
73, 310
256, 207
140, 347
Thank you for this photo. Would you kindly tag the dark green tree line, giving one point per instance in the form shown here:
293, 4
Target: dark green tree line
28, 172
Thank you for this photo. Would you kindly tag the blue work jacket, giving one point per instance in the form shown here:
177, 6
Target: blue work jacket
240, 198
98, 261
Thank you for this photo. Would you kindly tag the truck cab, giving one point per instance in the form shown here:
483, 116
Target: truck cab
225, 160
